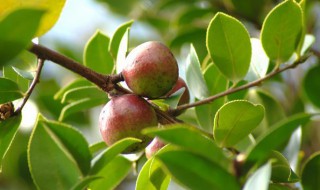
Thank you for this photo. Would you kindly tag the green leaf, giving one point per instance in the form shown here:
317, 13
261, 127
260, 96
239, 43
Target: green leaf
274, 186
25, 74
174, 98
74, 84
113, 173
311, 173
12, 40
281, 171
97, 147
196, 172
192, 139
307, 43
275, 138
236, 120
85, 182
8, 129
281, 31
250, 9
311, 85
9, 73
292, 150
259, 61
111, 152
122, 51
53, 10
216, 83
231, 53
117, 37
96, 54
83, 92
79, 105
194, 77
9, 91
245, 143
51, 163
260, 179
152, 169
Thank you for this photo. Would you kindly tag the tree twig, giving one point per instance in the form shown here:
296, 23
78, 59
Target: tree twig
243, 87
32, 86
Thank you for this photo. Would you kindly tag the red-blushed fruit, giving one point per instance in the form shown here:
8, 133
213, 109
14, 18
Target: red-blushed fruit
155, 145
126, 116
185, 98
150, 70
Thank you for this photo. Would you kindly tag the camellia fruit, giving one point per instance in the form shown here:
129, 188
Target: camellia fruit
126, 116
155, 145
150, 70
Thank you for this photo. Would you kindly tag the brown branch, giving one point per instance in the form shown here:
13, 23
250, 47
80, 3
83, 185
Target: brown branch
32, 86
316, 52
105, 82
243, 87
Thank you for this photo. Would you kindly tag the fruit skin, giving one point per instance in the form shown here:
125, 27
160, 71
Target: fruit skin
150, 70
125, 116
155, 145
185, 98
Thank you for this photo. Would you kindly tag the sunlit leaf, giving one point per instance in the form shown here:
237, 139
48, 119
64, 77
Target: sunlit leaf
311, 173
260, 179
9, 91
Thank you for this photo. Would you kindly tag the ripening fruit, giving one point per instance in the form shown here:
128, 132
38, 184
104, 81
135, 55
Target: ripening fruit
155, 145
150, 70
185, 98
125, 116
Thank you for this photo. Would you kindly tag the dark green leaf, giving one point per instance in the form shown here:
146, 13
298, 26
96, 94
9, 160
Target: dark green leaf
97, 147
96, 54
236, 120
8, 129
231, 53
281, 30
79, 105
250, 9
83, 92
193, 139
196, 172
9, 91
275, 138
117, 37
12, 39
194, 77
111, 152
9, 73
281, 171
311, 85
292, 150
274, 186
311, 173
81, 185
259, 179
51, 164
113, 173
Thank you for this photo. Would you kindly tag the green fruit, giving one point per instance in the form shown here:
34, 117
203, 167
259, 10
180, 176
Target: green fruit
150, 70
126, 116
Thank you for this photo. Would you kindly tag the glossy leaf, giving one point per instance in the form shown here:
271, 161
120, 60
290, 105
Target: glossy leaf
231, 53
79, 93
80, 105
85, 182
307, 43
271, 141
117, 37
111, 152
259, 61
8, 129
53, 10
96, 54
292, 150
201, 174
260, 178
281, 171
152, 169
193, 139
97, 147
122, 51
311, 85
311, 173
194, 77
59, 169
113, 173
74, 84
281, 30
12, 40
9, 91
236, 120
